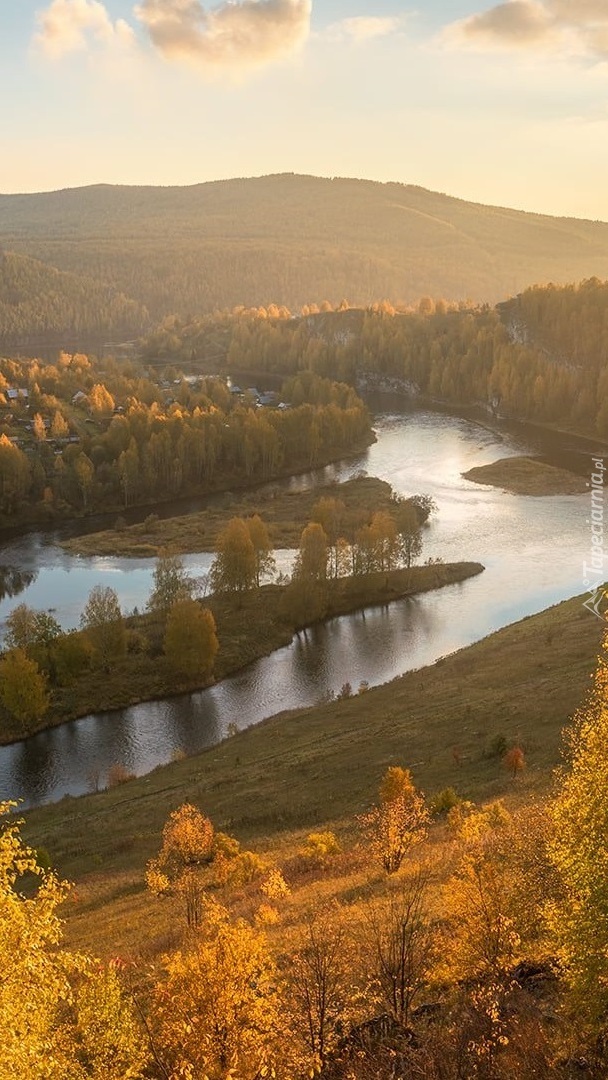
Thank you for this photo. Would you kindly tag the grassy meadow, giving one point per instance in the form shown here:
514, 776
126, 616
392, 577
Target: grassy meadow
285, 513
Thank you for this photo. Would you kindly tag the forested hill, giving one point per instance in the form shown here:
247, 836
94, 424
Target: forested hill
292, 240
540, 356
38, 302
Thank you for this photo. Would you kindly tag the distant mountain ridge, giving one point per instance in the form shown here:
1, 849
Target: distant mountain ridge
290, 239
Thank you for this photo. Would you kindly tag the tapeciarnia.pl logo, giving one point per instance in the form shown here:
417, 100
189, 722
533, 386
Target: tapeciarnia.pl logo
593, 571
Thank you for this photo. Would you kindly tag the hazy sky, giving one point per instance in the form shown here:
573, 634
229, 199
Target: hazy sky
501, 103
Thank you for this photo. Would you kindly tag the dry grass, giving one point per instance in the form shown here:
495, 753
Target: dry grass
528, 476
285, 513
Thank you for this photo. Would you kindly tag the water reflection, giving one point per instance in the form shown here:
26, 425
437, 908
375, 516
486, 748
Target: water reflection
532, 548
13, 580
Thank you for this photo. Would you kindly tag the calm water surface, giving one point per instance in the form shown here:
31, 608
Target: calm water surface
533, 550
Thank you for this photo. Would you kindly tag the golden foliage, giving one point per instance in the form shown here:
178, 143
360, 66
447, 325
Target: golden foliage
217, 1012
60, 1017
399, 822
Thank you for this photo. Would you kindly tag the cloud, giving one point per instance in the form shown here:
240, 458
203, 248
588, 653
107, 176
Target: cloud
237, 34
578, 27
71, 25
365, 27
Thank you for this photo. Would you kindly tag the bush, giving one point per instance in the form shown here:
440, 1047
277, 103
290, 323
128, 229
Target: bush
444, 801
117, 774
497, 747
245, 868
137, 643
320, 847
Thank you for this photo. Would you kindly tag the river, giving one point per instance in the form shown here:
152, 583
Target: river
533, 550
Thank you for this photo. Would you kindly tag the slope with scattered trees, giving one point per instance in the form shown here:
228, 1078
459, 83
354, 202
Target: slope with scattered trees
409, 928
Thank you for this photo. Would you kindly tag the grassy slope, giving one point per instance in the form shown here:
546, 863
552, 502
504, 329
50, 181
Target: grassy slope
528, 476
285, 513
294, 239
322, 765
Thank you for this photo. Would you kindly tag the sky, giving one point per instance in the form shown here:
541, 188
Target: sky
502, 103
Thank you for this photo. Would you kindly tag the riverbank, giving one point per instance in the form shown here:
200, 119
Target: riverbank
318, 767
528, 476
249, 626
285, 513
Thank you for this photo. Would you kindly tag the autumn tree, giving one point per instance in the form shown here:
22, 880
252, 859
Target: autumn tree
218, 1010
35, 979
104, 625
262, 546
15, 475
187, 847
26, 628
59, 426
84, 472
320, 984
23, 689
38, 427
60, 1015
191, 643
172, 583
578, 917
515, 761
399, 944
235, 567
331, 515
312, 559
101, 402
482, 933
399, 821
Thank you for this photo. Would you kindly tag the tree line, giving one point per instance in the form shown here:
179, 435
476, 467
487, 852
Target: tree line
93, 437
541, 356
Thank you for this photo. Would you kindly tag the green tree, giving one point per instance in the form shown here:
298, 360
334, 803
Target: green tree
22, 687
104, 625
191, 643
235, 566
171, 583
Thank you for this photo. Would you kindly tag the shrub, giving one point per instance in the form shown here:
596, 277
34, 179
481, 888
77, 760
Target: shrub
320, 847
497, 747
274, 886
117, 774
443, 802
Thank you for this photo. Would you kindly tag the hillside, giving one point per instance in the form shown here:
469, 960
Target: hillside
296, 239
40, 302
